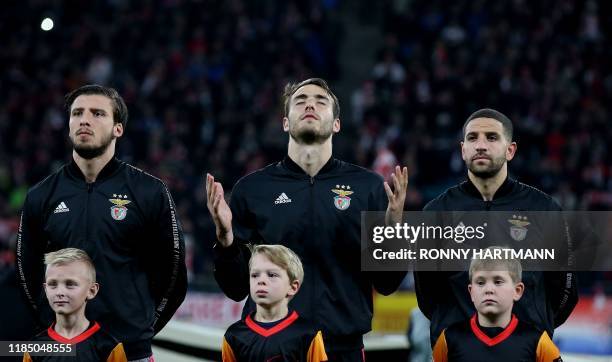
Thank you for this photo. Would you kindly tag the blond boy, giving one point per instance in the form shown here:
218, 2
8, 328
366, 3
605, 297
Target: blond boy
273, 331
494, 333
70, 282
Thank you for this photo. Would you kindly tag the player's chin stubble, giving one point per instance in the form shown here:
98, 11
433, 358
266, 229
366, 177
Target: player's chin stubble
90, 152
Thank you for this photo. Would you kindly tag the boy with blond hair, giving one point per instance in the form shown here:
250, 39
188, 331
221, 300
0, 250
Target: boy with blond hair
494, 333
273, 332
70, 281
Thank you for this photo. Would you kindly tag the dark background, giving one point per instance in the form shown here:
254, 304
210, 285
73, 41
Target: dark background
202, 81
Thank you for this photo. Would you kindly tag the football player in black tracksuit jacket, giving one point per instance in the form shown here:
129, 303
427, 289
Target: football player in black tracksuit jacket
122, 217
311, 203
549, 297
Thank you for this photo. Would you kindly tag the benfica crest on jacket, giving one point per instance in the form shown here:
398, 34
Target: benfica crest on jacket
118, 210
342, 201
518, 230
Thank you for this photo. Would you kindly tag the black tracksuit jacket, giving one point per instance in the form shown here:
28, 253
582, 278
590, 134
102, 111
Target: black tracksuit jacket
126, 221
549, 297
281, 204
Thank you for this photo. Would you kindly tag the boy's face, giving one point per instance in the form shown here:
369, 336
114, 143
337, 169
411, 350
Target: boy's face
493, 292
68, 286
269, 283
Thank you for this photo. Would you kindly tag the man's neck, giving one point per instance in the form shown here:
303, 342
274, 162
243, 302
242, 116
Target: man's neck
71, 325
91, 168
272, 313
310, 158
500, 320
489, 186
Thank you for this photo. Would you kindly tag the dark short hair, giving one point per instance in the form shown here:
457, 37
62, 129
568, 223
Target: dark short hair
291, 88
120, 111
496, 115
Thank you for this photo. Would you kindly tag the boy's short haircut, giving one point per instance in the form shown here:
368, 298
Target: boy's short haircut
513, 266
283, 257
71, 255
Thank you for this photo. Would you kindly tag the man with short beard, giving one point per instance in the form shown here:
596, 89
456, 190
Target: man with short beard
487, 147
311, 203
124, 218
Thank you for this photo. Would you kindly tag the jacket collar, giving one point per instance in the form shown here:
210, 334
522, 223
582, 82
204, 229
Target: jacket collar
107, 170
330, 165
506, 188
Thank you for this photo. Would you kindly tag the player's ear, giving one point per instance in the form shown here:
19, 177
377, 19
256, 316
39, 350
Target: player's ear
93, 290
519, 288
470, 291
511, 151
294, 286
118, 129
462, 152
285, 124
336, 125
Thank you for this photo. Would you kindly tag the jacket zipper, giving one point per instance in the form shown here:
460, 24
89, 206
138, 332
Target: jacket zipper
311, 241
89, 191
488, 205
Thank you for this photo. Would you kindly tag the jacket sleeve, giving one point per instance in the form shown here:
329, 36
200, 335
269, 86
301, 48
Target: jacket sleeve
562, 294
430, 289
385, 282
232, 263
434, 291
167, 271
424, 285
561, 287
31, 242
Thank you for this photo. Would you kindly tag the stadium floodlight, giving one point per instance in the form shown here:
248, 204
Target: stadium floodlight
46, 24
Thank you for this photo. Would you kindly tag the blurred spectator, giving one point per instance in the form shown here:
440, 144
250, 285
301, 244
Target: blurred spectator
201, 79
418, 337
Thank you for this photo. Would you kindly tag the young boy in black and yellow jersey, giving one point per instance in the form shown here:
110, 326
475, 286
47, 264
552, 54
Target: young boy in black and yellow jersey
70, 281
273, 332
494, 333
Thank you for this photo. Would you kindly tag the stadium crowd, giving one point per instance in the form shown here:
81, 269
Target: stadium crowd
202, 79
